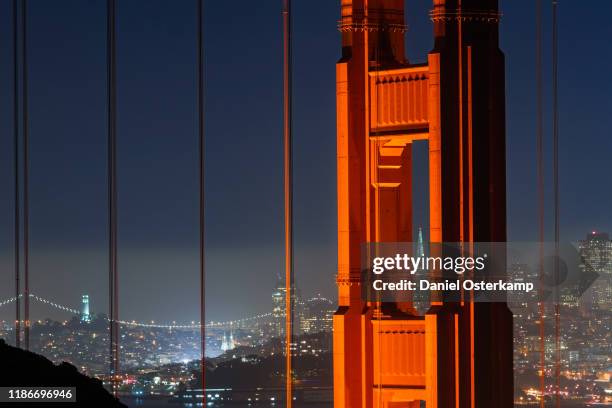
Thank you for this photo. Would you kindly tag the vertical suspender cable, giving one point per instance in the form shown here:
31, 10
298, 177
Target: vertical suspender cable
540, 188
377, 201
200, 79
17, 225
462, 147
108, 180
112, 195
26, 177
555, 96
288, 190
460, 115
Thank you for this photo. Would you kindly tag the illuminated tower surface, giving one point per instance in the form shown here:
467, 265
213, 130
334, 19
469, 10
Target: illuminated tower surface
457, 355
85, 314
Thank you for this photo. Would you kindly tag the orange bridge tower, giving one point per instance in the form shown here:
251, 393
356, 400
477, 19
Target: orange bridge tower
385, 355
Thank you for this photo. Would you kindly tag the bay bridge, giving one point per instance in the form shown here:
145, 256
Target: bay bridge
227, 324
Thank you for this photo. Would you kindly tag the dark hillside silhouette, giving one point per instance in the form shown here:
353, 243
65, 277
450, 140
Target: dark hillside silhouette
20, 368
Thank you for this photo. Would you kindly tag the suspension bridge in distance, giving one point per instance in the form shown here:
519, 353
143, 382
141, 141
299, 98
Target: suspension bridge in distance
236, 323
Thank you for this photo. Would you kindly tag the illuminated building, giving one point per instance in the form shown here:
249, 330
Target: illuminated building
85, 315
317, 315
420, 298
228, 343
596, 252
278, 307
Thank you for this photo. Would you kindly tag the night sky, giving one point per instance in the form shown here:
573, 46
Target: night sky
157, 146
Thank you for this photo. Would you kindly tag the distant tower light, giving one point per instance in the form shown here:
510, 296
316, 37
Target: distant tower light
85, 315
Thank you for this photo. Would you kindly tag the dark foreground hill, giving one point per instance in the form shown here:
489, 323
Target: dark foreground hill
20, 368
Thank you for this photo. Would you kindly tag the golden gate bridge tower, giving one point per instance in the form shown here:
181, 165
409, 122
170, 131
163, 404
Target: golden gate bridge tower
459, 354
